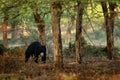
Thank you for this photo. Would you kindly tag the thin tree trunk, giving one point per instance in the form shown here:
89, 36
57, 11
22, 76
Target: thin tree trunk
109, 24
68, 31
79, 32
56, 31
4, 29
13, 25
41, 28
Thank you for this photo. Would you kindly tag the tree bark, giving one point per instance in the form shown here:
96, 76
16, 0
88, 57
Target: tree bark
79, 32
41, 27
4, 29
56, 31
109, 24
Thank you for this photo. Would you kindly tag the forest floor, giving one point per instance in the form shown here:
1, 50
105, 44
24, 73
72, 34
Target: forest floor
16, 69
103, 70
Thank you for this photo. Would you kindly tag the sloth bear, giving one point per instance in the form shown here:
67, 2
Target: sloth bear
35, 49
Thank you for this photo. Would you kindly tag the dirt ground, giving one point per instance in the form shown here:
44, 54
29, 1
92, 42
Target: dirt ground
102, 70
16, 69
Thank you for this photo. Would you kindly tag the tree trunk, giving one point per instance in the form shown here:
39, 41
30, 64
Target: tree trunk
41, 27
13, 25
56, 31
4, 29
112, 15
68, 31
79, 32
109, 24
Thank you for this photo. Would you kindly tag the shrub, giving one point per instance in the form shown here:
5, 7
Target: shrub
2, 49
70, 51
17, 52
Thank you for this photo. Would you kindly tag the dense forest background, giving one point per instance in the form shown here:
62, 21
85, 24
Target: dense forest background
80, 31
21, 22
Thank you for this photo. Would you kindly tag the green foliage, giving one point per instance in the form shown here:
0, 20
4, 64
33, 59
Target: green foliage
91, 51
94, 51
116, 56
114, 1
8, 77
4, 76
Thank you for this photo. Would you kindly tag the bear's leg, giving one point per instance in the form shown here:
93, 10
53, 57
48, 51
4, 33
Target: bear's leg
44, 58
36, 58
27, 56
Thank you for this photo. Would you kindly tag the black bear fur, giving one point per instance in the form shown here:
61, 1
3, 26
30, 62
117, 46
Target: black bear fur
35, 49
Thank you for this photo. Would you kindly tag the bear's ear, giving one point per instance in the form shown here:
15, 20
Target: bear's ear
41, 54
